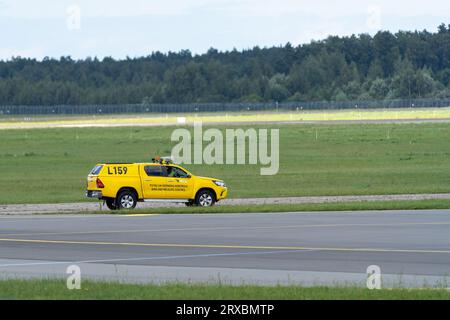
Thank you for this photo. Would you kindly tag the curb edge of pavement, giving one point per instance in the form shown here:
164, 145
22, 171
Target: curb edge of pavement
70, 208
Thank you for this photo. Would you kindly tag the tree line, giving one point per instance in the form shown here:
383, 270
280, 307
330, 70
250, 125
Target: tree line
406, 64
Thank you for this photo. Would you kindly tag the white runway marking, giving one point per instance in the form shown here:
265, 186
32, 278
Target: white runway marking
208, 255
224, 246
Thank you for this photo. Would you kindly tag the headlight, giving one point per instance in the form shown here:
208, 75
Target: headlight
220, 183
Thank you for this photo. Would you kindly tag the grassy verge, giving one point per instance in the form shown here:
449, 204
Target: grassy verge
345, 206
56, 289
51, 165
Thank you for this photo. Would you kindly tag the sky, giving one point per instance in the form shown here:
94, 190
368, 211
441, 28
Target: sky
132, 28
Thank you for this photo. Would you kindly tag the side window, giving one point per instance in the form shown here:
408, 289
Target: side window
156, 171
96, 170
176, 172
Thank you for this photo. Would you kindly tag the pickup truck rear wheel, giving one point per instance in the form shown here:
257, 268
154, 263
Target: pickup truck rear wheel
205, 198
111, 204
126, 200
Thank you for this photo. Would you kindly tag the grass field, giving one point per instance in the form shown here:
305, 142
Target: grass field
56, 289
50, 165
221, 117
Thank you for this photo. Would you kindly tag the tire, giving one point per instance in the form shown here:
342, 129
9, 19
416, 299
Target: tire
111, 204
205, 198
126, 200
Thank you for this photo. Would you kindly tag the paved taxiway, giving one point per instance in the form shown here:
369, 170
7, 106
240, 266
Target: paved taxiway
412, 248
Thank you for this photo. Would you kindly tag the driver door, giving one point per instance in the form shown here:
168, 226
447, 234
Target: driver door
181, 182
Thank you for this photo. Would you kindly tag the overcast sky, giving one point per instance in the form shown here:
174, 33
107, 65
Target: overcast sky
133, 28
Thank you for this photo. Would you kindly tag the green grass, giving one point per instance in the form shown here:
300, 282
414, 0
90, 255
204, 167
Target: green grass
344, 206
56, 289
50, 165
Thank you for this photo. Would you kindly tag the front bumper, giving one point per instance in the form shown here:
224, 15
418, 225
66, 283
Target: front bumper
94, 194
222, 194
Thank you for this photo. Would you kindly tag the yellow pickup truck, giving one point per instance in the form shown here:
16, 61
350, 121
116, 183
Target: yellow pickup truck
122, 185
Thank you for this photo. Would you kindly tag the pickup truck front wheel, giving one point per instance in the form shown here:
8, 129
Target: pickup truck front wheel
126, 200
205, 198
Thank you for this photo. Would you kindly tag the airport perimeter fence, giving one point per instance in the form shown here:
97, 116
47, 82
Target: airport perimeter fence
219, 107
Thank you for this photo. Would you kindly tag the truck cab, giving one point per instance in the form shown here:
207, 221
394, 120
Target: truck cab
122, 185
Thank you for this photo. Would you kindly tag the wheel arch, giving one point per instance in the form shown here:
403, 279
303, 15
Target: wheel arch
128, 189
208, 189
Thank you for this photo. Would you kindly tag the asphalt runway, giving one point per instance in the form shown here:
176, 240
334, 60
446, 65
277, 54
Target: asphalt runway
412, 248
